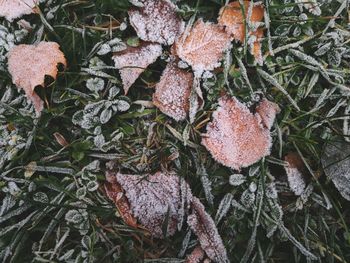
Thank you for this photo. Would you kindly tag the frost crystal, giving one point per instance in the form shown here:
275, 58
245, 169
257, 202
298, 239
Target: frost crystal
336, 165
203, 46
294, 173
236, 137
42, 59
157, 21
12, 9
204, 227
173, 92
134, 60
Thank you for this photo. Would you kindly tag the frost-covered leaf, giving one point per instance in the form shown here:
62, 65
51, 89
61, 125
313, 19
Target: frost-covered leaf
157, 21
106, 115
323, 49
237, 179
267, 111
40, 60
196, 256
173, 91
153, 199
95, 84
236, 137
334, 57
203, 46
231, 16
294, 170
134, 60
12, 9
336, 164
204, 227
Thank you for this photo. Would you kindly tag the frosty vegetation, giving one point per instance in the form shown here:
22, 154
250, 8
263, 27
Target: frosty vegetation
110, 109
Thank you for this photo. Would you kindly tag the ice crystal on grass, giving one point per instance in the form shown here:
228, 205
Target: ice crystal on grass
157, 21
336, 164
134, 60
12, 9
203, 46
236, 137
42, 59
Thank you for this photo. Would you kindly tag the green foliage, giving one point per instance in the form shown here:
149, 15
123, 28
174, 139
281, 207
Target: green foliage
57, 213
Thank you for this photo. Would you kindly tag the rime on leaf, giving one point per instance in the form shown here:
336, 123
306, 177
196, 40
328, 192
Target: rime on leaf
196, 256
336, 165
173, 92
231, 16
236, 137
116, 194
267, 111
157, 21
204, 227
203, 46
132, 61
294, 171
154, 199
29, 64
12, 9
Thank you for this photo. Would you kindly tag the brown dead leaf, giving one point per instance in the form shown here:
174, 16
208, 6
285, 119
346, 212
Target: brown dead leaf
173, 92
160, 202
203, 46
196, 256
236, 137
29, 64
205, 229
132, 61
12, 9
267, 111
295, 170
157, 21
231, 16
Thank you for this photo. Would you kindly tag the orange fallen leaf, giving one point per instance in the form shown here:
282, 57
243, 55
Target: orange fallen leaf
29, 64
12, 9
231, 16
132, 61
295, 170
236, 137
196, 256
173, 92
157, 21
203, 46
267, 111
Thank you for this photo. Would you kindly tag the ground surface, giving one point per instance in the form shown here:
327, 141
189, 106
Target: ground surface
52, 209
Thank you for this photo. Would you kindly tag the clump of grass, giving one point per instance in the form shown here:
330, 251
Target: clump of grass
50, 168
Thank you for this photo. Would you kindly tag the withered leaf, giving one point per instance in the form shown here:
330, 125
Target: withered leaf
336, 164
204, 227
29, 64
173, 92
132, 61
203, 46
116, 194
157, 21
12, 9
196, 256
294, 170
267, 111
236, 137
160, 201
153, 200
231, 16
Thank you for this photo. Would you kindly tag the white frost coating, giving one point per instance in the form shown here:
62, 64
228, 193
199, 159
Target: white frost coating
12, 9
154, 197
295, 180
157, 21
267, 111
236, 137
134, 60
205, 229
173, 92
